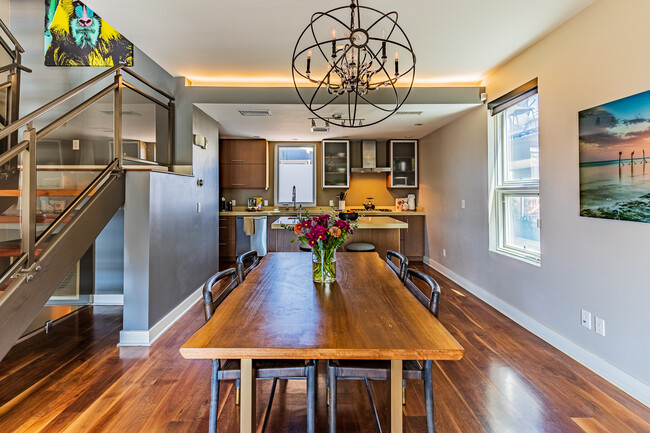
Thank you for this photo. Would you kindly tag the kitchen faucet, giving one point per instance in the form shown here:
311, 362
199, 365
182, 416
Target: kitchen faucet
293, 197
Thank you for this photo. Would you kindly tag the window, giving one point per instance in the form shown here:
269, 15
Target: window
515, 215
295, 167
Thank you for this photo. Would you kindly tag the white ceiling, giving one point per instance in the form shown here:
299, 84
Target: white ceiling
250, 43
455, 41
290, 121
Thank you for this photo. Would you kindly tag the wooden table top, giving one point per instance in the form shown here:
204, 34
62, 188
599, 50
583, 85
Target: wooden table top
278, 312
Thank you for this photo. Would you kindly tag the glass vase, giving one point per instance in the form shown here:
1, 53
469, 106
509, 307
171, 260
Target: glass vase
323, 265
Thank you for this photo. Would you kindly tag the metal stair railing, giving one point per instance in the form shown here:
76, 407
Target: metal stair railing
44, 260
14, 51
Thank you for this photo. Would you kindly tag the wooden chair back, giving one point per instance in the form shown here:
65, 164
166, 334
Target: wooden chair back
431, 301
403, 263
242, 268
226, 281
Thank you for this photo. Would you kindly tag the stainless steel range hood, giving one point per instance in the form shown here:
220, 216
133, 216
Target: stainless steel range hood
369, 159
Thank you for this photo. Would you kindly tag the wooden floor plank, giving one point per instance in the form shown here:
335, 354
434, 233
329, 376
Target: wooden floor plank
75, 379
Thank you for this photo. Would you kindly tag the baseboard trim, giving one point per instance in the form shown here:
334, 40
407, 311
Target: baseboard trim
147, 338
617, 377
108, 299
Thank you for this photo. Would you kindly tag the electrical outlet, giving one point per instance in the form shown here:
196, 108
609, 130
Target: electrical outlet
444, 252
462, 204
198, 208
600, 326
585, 318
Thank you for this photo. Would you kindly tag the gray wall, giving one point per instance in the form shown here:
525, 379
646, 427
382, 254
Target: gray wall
599, 265
109, 257
170, 248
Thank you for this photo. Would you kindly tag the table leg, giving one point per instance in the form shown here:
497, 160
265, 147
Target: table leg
396, 396
247, 405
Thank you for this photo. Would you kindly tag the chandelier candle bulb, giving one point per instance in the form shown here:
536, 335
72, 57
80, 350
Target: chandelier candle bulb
383, 50
308, 62
396, 63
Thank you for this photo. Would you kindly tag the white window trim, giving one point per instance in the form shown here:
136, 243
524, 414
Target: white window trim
498, 190
276, 174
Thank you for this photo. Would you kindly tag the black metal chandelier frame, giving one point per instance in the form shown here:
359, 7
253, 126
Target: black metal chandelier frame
352, 63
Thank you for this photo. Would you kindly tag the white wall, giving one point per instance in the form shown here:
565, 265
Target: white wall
4, 12
599, 265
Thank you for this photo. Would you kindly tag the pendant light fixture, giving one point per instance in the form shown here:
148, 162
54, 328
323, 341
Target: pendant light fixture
342, 55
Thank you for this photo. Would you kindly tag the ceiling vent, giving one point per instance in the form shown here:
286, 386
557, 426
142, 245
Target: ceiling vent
255, 112
320, 129
408, 113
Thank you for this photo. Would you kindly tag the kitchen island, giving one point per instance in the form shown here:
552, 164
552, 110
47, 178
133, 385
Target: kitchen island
381, 231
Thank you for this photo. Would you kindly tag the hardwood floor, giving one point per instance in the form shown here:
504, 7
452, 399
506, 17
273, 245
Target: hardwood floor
75, 379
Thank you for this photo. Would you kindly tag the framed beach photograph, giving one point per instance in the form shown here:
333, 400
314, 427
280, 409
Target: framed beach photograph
614, 142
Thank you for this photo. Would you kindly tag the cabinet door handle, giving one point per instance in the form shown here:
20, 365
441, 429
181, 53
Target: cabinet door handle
238, 184
237, 160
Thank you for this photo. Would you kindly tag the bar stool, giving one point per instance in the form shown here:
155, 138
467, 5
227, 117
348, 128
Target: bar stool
360, 247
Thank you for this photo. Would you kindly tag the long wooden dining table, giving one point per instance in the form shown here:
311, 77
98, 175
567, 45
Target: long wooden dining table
278, 312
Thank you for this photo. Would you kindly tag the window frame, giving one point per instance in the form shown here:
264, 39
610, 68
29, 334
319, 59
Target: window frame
276, 173
502, 189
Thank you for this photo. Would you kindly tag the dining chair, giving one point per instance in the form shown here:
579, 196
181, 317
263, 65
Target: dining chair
246, 263
380, 370
215, 291
403, 263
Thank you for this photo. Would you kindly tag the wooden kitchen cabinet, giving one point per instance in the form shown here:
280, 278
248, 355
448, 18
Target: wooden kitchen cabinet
412, 238
244, 164
227, 238
282, 241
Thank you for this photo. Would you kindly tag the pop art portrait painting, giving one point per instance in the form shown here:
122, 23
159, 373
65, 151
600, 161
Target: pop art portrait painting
76, 36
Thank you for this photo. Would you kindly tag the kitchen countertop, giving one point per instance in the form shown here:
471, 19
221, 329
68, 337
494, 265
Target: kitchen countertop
269, 211
366, 222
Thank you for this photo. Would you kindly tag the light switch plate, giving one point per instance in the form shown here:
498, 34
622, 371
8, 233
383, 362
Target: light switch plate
585, 318
75, 144
600, 326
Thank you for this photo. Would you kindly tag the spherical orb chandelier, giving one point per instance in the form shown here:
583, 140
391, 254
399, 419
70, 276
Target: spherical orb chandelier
342, 57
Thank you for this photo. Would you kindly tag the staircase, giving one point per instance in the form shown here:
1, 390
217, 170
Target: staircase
51, 214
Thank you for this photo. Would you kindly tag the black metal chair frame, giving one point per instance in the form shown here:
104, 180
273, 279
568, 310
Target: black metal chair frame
242, 270
403, 263
230, 369
380, 370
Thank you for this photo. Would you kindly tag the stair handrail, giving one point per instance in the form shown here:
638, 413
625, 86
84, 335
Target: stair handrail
27, 147
110, 168
16, 125
11, 37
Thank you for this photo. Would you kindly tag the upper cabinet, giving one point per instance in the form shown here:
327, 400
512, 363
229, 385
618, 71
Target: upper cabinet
403, 164
336, 164
244, 164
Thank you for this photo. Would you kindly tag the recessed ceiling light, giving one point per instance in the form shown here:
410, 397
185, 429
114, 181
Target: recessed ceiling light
417, 124
294, 139
409, 136
256, 136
